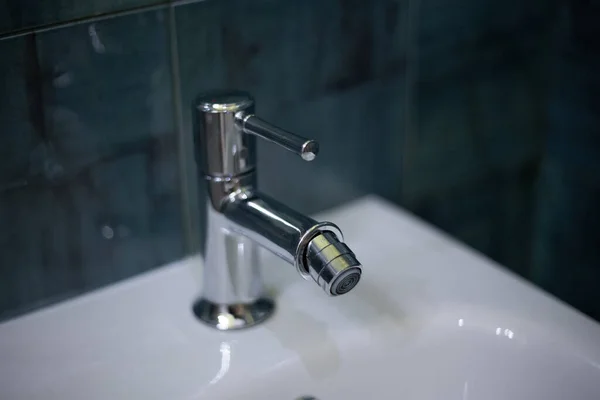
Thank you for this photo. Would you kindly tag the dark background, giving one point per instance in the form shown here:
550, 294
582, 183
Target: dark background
480, 116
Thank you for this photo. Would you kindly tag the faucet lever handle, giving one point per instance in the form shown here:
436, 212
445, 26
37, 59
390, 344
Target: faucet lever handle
251, 124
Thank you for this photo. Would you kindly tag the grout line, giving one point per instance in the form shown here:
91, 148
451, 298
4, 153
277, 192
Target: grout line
187, 188
82, 20
177, 3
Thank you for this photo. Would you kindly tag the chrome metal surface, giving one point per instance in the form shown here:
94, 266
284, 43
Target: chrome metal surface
231, 273
233, 316
221, 147
239, 218
332, 264
305, 148
276, 227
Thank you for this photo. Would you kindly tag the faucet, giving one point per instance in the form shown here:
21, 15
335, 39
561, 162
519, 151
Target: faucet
240, 218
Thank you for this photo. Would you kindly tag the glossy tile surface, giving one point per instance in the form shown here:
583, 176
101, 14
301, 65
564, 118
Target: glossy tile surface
17, 15
18, 140
478, 122
565, 260
476, 35
286, 52
18, 137
95, 125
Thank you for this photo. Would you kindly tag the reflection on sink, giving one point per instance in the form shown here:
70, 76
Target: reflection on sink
450, 358
474, 363
431, 319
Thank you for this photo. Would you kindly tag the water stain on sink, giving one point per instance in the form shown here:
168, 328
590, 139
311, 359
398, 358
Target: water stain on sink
375, 309
369, 304
316, 348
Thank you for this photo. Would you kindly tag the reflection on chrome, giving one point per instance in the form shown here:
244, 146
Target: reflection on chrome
223, 321
240, 219
225, 361
461, 322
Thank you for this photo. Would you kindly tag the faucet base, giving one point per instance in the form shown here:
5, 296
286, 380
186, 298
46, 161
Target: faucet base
225, 317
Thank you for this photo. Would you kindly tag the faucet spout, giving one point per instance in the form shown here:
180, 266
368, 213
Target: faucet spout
316, 249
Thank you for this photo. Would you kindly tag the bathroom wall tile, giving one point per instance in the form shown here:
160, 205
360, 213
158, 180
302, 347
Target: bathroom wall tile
471, 161
441, 150
510, 119
102, 197
566, 237
473, 37
25, 14
109, 116
565, 251
492, 215
18, 138
574, 128
106, 86
471, 128
5, 19
479, 121
360, 133
21, 257
285, 52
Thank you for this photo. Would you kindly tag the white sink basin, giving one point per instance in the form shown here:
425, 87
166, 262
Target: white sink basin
447, 361
429, 320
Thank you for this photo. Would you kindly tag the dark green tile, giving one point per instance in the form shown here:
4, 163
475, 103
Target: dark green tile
106, 87
565, 252
472, 128
93, 114
5, 18
285, 52
20, 258
478, 37
360, 134
18, 139
26, 14
492, 214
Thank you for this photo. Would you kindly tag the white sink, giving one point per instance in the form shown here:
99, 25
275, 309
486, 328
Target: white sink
430, 319
446, 362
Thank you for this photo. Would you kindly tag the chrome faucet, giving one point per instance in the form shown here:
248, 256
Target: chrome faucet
240, 218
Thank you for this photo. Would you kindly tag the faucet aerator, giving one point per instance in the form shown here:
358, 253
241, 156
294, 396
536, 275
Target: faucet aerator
332, 265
